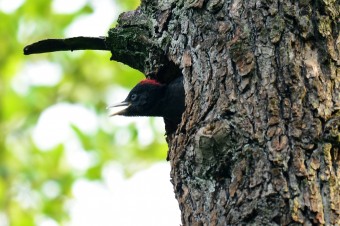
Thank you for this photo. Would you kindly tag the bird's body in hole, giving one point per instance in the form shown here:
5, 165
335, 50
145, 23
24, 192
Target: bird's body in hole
151, 98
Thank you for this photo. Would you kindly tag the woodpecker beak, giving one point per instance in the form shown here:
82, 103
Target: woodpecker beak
119, 109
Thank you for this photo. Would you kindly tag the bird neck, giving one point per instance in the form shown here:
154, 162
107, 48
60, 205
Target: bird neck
172, 104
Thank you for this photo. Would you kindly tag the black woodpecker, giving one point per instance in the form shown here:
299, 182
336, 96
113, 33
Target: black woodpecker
151, 98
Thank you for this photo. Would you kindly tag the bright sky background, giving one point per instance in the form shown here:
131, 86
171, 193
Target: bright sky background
145, 199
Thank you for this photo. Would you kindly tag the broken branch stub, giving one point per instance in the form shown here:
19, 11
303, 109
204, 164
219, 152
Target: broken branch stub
130, 42
67, 44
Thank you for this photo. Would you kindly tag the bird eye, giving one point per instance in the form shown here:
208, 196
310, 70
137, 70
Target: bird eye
133, 97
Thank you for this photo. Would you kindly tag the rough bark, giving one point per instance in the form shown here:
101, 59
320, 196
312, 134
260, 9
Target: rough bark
259, 140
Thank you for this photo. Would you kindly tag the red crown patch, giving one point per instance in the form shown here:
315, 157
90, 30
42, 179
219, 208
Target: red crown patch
150, 81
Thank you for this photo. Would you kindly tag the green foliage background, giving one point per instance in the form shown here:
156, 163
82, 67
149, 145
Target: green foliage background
24, 169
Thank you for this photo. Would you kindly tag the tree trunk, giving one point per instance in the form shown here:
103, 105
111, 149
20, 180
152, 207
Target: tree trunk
259, 140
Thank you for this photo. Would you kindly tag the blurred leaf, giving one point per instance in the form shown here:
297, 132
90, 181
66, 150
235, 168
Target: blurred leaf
94, 173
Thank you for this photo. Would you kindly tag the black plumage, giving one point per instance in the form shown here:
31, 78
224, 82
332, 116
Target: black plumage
151, 98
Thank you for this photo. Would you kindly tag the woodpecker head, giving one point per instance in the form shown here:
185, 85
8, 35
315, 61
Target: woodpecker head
143, 100
151, 98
